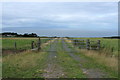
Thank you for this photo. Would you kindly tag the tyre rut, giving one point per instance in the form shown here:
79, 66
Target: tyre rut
53, 70
90, 73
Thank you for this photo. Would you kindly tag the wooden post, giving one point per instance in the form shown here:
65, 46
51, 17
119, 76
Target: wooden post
15, 45
88, 44
32, 44
98, 44
39, 44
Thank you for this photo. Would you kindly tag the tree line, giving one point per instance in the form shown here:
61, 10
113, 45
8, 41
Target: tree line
12, 34
113, 37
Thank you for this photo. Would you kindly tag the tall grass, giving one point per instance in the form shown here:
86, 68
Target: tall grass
110, 46
102, 59
25, 65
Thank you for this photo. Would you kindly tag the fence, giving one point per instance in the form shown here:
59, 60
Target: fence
86, 44
22, 44
36, 45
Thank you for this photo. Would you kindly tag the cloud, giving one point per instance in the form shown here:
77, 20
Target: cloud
85, 16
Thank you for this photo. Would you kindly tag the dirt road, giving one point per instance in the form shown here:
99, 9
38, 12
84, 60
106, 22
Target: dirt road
90, 73
54, 70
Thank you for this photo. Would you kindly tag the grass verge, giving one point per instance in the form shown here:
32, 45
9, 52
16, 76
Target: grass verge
106, 64
24, 65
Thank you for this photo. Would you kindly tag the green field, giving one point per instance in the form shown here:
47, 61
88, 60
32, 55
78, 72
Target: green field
108, 46
111, 45
22, 43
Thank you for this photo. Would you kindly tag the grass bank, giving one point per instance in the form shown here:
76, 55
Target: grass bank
25, 65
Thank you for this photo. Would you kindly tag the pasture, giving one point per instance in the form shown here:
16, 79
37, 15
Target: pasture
16, 45
21, 43
60, 59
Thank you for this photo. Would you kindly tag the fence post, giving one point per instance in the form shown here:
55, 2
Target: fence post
32, 44
98, 42
39, 44
88, 44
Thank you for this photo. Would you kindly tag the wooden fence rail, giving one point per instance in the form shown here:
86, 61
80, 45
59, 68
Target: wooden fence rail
86, 44
33, 45
36, 45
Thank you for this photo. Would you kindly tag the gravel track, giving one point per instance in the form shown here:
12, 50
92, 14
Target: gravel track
53, 70
90, 73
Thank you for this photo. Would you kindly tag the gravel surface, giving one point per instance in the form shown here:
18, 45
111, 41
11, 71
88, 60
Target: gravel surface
53, 70
90, 73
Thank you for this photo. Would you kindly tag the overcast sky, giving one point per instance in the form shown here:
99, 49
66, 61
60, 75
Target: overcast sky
79, 19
